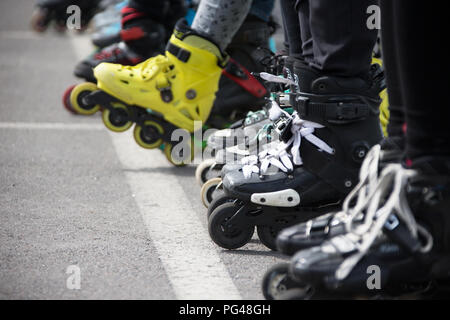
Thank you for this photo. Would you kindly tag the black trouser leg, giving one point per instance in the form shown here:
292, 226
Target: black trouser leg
292, 27
424, 82
390, 61
336, 33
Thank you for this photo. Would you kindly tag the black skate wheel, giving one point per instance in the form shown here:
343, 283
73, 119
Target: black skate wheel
117, 118
148, 135
296, 294
268, 235
229, 238
66, 100
276, 281
217, 201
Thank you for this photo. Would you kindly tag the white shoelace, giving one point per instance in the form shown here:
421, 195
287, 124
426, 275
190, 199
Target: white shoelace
279, 156
378, 205
368, 179
276, 79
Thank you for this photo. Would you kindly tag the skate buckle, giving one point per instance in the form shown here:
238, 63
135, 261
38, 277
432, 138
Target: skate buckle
302, 105
166, 94
347, 112
392, 222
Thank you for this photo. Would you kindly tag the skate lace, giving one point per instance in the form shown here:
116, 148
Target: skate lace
383, 205
286, 154
275, 79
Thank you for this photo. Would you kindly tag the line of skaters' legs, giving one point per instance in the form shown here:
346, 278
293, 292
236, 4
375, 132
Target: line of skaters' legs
327, 188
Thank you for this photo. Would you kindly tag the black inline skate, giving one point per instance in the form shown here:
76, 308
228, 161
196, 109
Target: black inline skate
314, 232
400, 250
336, 124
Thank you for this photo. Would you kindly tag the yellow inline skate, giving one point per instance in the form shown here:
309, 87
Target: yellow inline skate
159, 95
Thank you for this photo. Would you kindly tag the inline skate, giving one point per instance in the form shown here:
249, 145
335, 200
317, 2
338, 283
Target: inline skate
247, 136
159, 95
314, 232
140, 37
208, 172
107, 24
140, 42
249, 139
336, 123
402, 241
238, 133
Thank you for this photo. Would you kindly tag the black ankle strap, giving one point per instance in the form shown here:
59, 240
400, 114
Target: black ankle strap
181, 54
340, 110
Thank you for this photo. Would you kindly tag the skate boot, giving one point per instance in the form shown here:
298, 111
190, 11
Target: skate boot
228, 137
247, 136
107, 25
250, 140
311, 170
404, 235
316, 231
276, 280
141, 38
159, 95
242, 133
238, 88
288, 84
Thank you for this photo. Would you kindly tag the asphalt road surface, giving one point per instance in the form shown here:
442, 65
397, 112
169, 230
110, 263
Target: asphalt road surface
78, 202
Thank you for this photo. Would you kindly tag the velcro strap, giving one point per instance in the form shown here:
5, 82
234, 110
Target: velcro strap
181, 54
308, 109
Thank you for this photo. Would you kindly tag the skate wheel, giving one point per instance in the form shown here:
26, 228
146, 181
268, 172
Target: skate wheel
209, 189
267, 235
117, 118
217, 201
66, 100
296, 294
229, 238
202, 170
276, 281
149, 135
77, 95
175, 159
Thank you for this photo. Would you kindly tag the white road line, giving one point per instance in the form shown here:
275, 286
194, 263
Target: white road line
190, 259
51, 126
21, 35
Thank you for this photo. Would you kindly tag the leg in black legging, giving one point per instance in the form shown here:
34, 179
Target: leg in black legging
339, 39
425, 96
292, 28
390, 59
